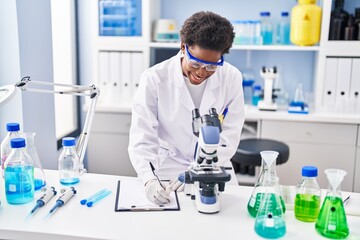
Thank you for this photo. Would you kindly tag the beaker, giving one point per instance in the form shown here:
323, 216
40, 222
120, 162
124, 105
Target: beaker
39, 175
269, 221
268, 162
332, 221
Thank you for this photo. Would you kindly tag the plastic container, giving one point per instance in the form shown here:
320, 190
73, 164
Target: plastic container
305, 23
69, 163
283, 30
120, 18
19, 174
12, 132
266, 28
308, 193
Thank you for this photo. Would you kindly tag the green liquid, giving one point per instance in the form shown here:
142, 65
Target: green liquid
332, 221
307, 207
254, 203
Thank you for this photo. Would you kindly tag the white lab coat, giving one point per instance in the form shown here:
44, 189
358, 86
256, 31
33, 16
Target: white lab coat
161, 126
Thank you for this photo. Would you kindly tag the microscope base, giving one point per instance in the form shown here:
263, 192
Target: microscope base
267, 107
205, 204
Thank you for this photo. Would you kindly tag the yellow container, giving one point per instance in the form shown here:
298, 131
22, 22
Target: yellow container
305, 23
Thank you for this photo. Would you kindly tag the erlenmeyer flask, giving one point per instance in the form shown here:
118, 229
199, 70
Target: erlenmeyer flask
39, 175
332, 221
268, 162
269, 221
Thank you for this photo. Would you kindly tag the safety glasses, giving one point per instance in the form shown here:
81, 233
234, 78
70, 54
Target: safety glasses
198, 63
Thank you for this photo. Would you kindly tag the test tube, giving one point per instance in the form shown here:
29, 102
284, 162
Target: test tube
98, 198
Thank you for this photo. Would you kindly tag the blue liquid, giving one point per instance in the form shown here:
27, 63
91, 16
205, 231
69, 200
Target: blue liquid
270, 227
284, 34
267, 37
39, 183
69, 181
19, 184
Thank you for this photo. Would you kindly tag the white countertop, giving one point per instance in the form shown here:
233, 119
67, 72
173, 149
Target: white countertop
254, 114
74, 221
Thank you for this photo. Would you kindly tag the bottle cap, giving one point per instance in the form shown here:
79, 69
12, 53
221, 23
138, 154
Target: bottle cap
12, 127
257, 87
17, 143
265, 14
309, 171
284, 14
68, 141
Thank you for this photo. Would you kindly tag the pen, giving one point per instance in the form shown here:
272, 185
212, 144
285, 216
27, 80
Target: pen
223, 115
147, 208
153, 170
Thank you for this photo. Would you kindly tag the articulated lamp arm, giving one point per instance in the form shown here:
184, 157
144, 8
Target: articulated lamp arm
66, 89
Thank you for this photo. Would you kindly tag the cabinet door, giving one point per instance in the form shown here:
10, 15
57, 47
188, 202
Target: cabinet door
357, 172
319, 144
107, 154
108, 144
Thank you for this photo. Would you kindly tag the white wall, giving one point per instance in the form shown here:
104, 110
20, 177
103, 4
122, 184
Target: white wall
9, 63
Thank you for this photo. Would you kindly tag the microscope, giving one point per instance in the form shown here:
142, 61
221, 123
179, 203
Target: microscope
204, 178
269, 75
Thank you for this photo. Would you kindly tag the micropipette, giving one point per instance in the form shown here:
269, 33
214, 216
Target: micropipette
63, 199
98, 198
84, 201
45, 198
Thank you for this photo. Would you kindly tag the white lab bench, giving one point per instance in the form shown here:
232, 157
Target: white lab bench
321, 139
74, 221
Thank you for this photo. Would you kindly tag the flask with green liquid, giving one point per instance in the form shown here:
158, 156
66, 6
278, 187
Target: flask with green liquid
268, 162
308, 192
331, 222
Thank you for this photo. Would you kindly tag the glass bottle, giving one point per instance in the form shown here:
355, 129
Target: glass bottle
19, 174
269, 221
266, 28
338, 20
257, 93
332, 222
268, 162
308, 192
39, 175
12, 132
69, 163
283, 30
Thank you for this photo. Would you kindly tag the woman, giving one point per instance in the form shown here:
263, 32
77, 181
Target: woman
197, 77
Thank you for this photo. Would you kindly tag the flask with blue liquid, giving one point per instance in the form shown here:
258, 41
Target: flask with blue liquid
69, 163
19, 174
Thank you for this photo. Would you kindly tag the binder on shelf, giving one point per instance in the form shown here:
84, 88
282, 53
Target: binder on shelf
104, 76
343, 84
331, 68
137, 67
125, 72
115, 82
355, 85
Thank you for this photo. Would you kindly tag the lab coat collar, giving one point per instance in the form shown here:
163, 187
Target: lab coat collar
208, 98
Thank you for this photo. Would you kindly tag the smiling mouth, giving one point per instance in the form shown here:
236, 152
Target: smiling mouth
197, 78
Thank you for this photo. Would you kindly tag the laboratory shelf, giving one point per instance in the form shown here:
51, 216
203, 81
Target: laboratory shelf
245, 47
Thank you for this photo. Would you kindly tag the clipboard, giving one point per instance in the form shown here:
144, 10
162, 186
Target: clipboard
130, 196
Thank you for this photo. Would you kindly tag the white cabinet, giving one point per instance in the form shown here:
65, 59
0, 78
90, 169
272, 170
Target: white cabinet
108, 143
322, 145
